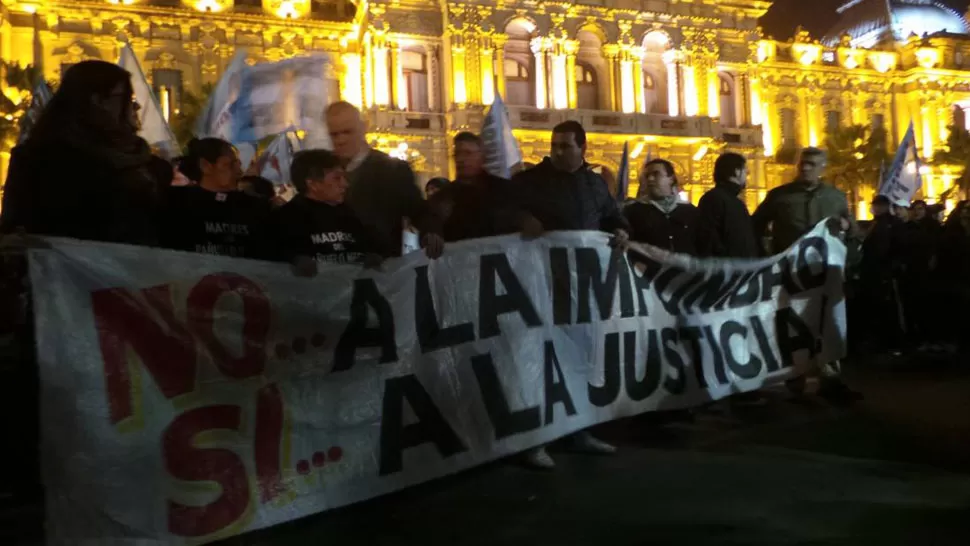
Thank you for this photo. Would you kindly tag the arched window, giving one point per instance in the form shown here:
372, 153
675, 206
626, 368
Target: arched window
167, 86
789, 140
414, 66
587, 93
728, 104
654, 93
518, 85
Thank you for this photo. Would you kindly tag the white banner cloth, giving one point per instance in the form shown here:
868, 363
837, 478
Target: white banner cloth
186, 398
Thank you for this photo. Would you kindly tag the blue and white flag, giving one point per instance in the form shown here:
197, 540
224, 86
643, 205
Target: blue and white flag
623, 175
42, 94
501, 149
215, 120
274, 163
276, 96
902, 180
154, 128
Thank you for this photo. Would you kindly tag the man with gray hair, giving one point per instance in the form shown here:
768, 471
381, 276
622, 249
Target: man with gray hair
382, 193
789, 212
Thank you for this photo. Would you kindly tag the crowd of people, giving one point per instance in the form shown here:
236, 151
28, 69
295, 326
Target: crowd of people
84, 173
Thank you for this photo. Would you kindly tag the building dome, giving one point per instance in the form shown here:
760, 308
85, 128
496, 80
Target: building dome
868, 22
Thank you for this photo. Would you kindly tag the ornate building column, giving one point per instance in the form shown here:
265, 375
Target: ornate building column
691, 93
499, 40
571, 48
351, 83
610, 52
486, 53
539, 46
400, 85
561, 87
459, 89
434, 74
628, 94
768, 119
714, 89
755, 99
381, 70
636, 55
671, 61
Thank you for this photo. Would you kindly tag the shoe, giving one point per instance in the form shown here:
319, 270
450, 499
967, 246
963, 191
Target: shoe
539, 459
837, 392
587, 443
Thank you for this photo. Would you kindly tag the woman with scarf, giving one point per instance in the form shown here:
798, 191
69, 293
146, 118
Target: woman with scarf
657, 217
83, 171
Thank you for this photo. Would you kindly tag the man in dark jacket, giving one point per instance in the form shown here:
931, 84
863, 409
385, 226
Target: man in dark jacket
477, 204
791, 211
382, 192
723, 224
563, 193
882, 264
657, 217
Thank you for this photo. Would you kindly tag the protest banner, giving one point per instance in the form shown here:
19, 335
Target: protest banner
187, 398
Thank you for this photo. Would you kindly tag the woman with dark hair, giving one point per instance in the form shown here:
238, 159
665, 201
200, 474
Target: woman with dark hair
212, 216
83, 172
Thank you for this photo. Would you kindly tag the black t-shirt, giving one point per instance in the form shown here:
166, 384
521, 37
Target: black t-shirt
327, 233
223, 223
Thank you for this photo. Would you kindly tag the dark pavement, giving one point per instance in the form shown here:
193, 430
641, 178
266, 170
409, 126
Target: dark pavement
892, 470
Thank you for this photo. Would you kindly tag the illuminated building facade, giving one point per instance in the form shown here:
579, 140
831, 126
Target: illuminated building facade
678, 79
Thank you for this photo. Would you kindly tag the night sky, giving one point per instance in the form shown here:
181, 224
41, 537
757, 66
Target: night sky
816, 16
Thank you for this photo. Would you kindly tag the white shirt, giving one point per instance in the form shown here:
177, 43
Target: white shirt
358, 159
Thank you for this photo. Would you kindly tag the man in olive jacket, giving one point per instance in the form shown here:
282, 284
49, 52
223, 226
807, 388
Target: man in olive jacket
791, 211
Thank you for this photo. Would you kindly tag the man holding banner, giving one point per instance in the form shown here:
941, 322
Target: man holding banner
477, 204
382, 189
791, 211
563, 194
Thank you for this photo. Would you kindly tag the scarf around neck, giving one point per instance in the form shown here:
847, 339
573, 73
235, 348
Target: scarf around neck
665, 204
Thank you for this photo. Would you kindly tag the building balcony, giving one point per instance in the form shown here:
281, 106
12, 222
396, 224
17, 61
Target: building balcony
399, 121
604, 121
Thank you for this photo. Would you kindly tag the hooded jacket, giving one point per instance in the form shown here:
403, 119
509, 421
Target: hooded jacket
564, 201
724, 227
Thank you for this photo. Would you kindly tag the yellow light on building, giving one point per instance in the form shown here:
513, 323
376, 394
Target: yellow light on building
628, 102
458, 75
713, 94
164, 101
927, 57
382, 87
882, 61
213, 6
700, 153
767, 133
351, 84
690, 92
637, 150
806, 54
756, 105
862, 211
560, 85
927, 138
765, 50
400, 84
488, 77
538, 49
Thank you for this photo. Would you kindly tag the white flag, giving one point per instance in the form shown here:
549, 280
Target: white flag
276, 96
274, 163
902, 180
214, 120
154, 128
501, 149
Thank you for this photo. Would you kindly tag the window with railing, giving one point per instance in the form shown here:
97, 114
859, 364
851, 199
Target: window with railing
167, 85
